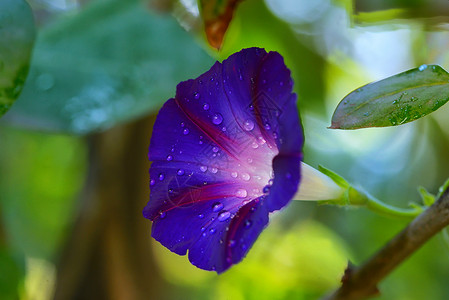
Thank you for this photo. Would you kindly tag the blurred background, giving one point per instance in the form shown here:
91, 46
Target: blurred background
73, 148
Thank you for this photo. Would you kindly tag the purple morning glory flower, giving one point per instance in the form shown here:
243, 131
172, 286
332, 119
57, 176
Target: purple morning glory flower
226, 152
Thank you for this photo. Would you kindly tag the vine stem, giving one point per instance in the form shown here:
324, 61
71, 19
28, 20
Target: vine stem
380, 207
361, 282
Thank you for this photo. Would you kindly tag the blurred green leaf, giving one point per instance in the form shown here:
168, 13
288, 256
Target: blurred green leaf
396, 100
40, 178
11, 274
112, 62
17, 35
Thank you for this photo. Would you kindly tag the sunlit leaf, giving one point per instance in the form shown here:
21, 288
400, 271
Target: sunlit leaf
112, 62
17, 34
396, 100
217, 14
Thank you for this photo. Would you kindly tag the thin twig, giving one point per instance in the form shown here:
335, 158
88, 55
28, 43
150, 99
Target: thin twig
361, 282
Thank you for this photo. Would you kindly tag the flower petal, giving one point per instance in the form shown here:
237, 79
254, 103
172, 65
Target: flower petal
215, 149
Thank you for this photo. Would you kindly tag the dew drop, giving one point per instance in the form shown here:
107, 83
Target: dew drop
217, 206
203, 168
206, 106
200, 142
241, 193
223, 216
161, 177
212, 230
201, 216
217, 119
246, 177
234, 174
422, 67
248, 125
180, 172
249, 160
254, 145
267, 126
232, 243
248, 223
213, 170
152, 182
169, 158
183, 124
215, 149
162, 214
266, 189
185, 131
196, 95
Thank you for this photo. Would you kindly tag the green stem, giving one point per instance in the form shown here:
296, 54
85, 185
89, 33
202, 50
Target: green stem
378, 206
361, 198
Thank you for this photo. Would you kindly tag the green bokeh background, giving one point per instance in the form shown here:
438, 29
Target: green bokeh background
100, 65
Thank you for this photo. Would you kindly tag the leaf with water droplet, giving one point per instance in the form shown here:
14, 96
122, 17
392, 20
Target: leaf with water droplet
396, 100
84, 80
17, 35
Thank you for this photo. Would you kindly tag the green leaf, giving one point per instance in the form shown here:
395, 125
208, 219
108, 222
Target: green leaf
112, 62
12, 272
17, 35
427, 198
396, 100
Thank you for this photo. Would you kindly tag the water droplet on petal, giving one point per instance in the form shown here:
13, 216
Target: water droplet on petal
266, 189
213, 170
246, 176
241, 193
152, 182
248, 223
254, 145
234, 174
212, 230
215, 149
206, 106
169, 158
180, 172
248, 125
161, 176
217, 119
162, 214
232, 243
267, 126
217, 206
250, 160
203, 168
196, 95
223, 216
201, 216
183, 124
186, 131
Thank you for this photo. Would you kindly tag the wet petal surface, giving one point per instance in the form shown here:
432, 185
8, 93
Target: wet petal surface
226, 152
